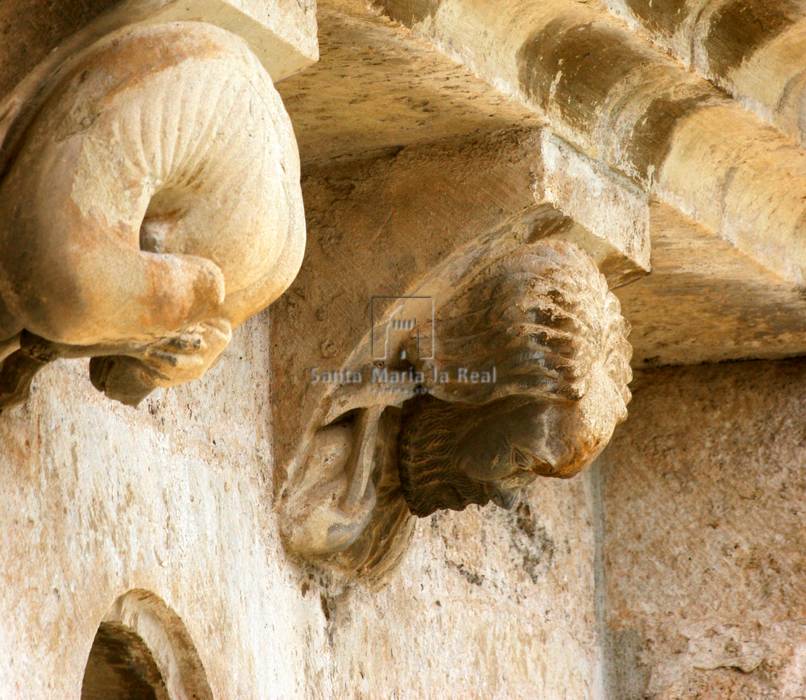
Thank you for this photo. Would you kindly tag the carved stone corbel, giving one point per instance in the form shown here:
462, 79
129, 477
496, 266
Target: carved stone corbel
149, 204
527, 376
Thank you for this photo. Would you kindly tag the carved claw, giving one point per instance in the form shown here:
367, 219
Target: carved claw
16, 376
18, 370
126, 373
123, 379
175, 360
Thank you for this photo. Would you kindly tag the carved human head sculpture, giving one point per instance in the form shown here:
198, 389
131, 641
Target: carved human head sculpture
540, 324
548, 324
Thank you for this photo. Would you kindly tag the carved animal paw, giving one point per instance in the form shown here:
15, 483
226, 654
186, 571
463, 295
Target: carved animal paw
169, 362
16, 375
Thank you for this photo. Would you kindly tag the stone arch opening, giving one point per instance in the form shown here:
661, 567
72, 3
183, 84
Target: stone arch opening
121, 667
143, 651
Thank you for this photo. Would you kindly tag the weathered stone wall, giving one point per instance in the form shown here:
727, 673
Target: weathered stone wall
175, 498
487, 604
703, 493
702, 551
97, 499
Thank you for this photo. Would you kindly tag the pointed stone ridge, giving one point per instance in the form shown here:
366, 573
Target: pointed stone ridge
613, 95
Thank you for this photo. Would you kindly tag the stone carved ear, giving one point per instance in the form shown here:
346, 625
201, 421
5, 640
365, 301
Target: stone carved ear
157, 193
334, 518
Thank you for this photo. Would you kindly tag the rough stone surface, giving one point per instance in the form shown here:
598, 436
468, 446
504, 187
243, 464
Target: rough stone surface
376, 217
611, 94
703, 492
751, 48
376, 87
611, 208
675, 570
175, 498
706, 302
30, 29
487, 604
293, 20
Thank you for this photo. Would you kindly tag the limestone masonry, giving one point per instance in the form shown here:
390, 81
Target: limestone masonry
402, 349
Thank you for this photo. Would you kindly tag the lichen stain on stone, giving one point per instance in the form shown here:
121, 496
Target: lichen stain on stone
472, 577
531, 541
627, 677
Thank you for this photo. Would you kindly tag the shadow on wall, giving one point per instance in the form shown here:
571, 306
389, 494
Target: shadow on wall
142, 651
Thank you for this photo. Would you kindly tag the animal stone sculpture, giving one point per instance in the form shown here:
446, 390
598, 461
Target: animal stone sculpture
544, 323
152, 205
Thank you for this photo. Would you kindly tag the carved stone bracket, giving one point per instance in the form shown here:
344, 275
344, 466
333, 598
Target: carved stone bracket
150, 197
506, 360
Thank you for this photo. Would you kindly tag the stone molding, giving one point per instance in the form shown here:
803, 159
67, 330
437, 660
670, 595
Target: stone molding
141, 636
614, 97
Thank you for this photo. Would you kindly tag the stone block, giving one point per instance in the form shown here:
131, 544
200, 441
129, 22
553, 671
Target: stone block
281, 33
611, 212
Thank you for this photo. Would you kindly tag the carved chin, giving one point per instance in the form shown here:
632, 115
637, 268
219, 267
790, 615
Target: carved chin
429, 478
435, 442
426, 495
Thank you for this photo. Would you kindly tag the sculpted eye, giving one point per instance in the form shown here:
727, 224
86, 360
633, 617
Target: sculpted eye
542, 468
